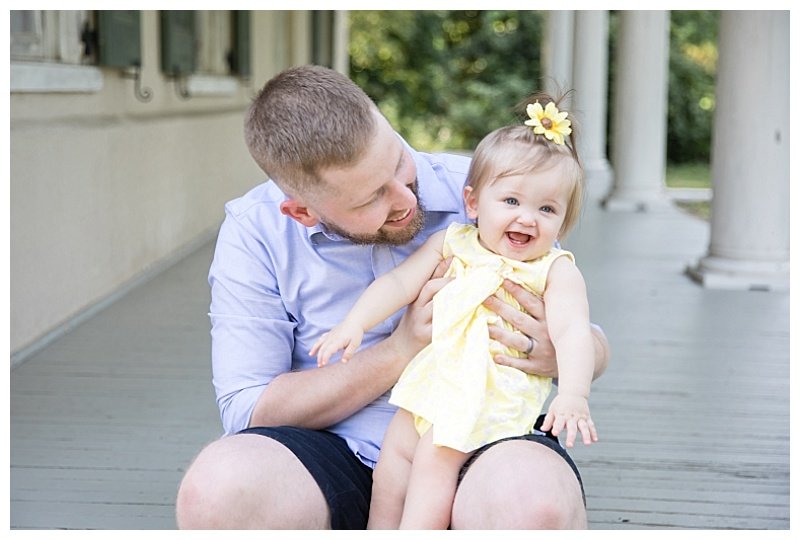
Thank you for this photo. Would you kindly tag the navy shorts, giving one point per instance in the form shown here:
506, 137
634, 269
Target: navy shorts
346, 482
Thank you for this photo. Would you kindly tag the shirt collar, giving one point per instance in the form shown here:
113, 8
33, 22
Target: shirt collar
320, 232
435, 191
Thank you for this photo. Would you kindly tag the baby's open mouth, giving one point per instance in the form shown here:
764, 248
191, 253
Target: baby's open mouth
517, 238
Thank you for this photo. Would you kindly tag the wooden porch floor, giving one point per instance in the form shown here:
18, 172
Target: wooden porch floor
693, 412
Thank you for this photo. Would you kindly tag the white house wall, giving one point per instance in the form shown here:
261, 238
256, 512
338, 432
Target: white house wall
105, 187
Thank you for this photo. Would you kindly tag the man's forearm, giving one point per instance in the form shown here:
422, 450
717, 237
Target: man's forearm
318, 398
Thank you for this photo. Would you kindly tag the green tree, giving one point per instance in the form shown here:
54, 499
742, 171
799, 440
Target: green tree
446, 78
692, 72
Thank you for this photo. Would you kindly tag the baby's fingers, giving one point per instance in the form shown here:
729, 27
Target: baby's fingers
547, 424
349, 351
572, 431
557, 424
588, 430
317, 344
325, 351
322, 357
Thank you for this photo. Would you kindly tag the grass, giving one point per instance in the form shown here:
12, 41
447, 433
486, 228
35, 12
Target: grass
688, 175
691, 175
701, 209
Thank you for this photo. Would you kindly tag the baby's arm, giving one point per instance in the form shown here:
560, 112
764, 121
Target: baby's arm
384, 296
567, 309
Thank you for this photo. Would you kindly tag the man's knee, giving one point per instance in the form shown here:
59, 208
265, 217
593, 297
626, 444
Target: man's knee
191, 497
519, 485
204, 494
496, 510
545, 513
249, 482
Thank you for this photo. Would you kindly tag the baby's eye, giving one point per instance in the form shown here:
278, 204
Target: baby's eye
548, 209
512, 201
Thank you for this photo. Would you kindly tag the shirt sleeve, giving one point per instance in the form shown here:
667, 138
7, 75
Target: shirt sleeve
252, 335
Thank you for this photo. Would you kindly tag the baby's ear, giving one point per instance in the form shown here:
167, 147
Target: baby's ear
471, 202
298, 212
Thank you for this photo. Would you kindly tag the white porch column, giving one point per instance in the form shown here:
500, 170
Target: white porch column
341, 36
557, 52
749, 247
300, 28
639, 134
590, 81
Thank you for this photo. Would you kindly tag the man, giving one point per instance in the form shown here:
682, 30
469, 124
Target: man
348, 201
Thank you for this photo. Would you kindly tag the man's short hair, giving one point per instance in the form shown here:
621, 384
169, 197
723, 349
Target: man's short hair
305, 119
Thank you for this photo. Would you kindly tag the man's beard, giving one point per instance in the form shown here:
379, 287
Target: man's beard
388, 238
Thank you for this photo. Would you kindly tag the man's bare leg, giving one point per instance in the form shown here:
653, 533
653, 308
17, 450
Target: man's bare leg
250, 482
519, 485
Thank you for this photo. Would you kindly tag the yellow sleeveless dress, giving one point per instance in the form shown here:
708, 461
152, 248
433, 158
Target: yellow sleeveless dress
454, 384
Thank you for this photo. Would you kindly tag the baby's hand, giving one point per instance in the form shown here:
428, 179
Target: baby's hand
570, 411
345, 336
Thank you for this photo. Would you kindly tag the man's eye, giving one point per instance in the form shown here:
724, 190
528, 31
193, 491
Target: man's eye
511, 200
375, 198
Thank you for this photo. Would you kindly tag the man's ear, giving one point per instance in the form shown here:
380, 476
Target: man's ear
298, 212
471, 202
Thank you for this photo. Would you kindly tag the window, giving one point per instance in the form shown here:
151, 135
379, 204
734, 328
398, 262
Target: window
215, 30
49, 36
61, 51
48, 53
204, 51
212, 43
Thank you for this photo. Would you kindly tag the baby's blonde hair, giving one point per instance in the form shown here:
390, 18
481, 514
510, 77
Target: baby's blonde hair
515, 150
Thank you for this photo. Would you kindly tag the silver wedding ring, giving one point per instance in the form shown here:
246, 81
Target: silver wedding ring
531, 343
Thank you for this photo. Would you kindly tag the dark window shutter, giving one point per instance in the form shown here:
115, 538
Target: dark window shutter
119, 39
240, 56
177, 42
322, 38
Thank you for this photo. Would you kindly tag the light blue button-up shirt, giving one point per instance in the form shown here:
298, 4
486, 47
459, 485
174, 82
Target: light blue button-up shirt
277, 285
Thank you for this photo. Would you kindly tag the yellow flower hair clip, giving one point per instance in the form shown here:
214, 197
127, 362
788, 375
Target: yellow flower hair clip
548, 122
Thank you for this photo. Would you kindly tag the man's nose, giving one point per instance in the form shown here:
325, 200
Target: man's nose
401, 195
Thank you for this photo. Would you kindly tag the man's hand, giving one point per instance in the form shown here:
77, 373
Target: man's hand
531, 327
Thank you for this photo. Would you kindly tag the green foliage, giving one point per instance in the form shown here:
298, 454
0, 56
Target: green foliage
692, 67
446, 78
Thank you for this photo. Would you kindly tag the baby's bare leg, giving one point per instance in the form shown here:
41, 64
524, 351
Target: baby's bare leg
390, 479
432, 486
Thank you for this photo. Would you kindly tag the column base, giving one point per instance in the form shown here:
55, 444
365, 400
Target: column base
637, 202
599, 178
721, 273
